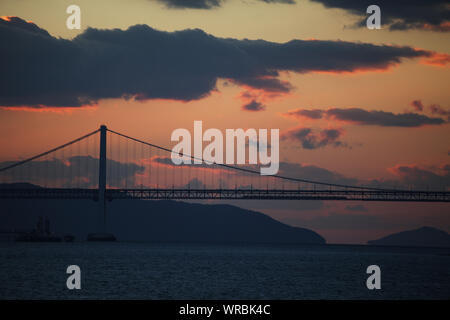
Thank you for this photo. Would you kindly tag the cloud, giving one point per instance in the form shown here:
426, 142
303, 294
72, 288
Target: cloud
364, 117
279, 1
431, 15
194, 184
417, 105
315, 173
438, 59
288, 169
207, 4
422, 178
405, 177
24, 25
271, 85
434, 109
437, 109
142, 63
75, 171
254, 106
167, 161
414, 177
313, 140
305, 113
191, 4
382, 118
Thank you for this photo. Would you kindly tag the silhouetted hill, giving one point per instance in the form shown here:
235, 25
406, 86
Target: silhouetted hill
422, 237
18, 185
133, 220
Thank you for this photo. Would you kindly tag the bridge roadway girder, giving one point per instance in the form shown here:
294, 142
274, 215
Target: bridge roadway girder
227, 194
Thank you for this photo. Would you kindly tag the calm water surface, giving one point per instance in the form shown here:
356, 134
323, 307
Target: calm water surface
174, 271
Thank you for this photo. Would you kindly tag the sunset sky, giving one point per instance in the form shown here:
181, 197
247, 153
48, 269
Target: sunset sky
350, 103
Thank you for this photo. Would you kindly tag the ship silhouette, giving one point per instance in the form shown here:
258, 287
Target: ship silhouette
42, 233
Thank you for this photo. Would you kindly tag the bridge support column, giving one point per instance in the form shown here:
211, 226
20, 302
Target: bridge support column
102, 178
102, 234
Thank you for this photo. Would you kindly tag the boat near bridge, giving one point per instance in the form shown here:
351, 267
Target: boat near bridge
42, 233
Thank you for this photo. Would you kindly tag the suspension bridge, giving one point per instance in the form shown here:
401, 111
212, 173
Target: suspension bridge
104, 165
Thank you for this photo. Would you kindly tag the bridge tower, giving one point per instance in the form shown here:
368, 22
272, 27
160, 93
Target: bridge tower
102, 235
102, 178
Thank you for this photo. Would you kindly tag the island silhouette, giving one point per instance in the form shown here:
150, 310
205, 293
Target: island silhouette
157, 221
422, 237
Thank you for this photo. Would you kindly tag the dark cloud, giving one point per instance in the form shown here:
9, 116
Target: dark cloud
207, 4
431, 15
271, 85
437, 109
24, 25
254, 106
404, 177
422, 178
279, 1
73, 172
288, 169
414, 177
194, 184
382, 118
143, 63
167, 161
82, 172
315, 173
311, 114
417, 105
310, 139
365, 117
191, 4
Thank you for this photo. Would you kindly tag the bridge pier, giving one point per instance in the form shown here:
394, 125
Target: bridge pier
102, 177
102, 235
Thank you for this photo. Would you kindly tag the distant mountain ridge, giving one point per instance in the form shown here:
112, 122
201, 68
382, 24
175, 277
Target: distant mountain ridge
159, 221
19, 185
422, 237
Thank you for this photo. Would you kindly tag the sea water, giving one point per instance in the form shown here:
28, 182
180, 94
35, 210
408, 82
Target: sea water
126, 270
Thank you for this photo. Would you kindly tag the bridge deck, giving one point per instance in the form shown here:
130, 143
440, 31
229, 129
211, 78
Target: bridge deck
228, 194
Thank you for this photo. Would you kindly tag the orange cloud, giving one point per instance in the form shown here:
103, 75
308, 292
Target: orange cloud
437, 59
45, 109
9, 19
6, 18
443, 27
